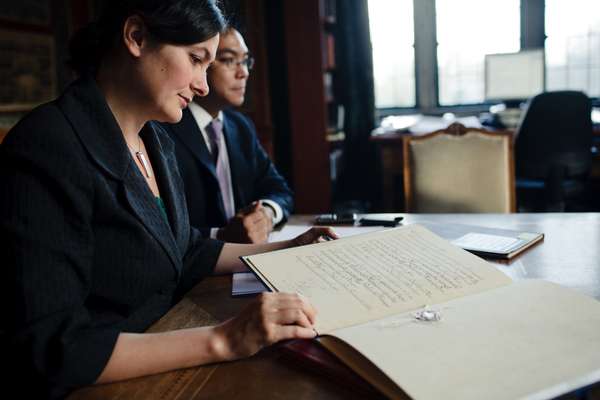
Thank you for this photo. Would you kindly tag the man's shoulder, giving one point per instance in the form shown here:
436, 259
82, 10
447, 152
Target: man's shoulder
238, 119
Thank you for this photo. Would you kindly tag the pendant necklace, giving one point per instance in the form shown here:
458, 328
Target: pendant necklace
142, 159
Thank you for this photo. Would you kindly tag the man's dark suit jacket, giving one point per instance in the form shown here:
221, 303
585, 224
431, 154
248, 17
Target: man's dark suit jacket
253, 175
86, 251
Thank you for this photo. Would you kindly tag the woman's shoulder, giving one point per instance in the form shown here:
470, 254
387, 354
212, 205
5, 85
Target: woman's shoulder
44, 140
46, 124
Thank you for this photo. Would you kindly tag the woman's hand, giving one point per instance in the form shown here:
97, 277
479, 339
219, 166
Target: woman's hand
314, 235
270, 318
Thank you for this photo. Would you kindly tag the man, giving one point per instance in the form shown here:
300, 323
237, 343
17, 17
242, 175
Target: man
233, 191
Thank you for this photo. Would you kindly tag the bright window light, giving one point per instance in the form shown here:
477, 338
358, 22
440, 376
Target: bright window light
573, 45
467, 30
392, 38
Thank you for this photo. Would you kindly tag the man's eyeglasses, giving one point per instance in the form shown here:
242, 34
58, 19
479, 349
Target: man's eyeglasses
231, 63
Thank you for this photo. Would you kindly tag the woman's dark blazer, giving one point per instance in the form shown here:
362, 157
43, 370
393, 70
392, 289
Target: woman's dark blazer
87, 252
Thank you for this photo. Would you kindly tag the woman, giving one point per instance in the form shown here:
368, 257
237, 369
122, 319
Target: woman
92, 215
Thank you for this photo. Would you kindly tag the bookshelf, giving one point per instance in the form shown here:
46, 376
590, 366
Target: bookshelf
316, 118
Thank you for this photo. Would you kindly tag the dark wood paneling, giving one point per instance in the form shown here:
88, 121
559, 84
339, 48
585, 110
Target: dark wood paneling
308, 114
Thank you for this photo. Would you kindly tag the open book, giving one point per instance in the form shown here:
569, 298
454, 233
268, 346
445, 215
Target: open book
412, 313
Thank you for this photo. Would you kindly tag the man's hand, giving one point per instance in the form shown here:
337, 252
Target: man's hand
252, 224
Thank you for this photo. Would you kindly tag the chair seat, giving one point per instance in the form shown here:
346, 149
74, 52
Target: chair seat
570, 185
534, 196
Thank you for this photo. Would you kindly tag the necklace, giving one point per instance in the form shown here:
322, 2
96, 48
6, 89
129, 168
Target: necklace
142, 159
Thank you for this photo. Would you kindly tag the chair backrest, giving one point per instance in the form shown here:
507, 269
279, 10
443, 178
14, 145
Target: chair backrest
3, 133
459, 170
556, 130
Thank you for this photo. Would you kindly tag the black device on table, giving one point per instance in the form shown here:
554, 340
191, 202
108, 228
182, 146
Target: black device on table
380, 221
336, 219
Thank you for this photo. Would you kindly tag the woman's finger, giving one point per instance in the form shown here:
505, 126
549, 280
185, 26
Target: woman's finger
294, 332
292, 316
323, 231
326, 231
284, 301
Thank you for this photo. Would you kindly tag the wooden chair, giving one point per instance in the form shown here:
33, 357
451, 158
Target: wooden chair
459, 170
3, 132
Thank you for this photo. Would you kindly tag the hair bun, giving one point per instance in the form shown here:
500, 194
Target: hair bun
180, 22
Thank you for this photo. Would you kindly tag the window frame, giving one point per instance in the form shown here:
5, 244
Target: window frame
533, 35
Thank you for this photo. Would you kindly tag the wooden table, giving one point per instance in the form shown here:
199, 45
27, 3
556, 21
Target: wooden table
569, 255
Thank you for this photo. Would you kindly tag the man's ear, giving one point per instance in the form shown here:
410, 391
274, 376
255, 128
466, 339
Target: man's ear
135, 35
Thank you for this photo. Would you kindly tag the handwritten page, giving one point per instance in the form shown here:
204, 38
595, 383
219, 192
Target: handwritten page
365, 277
291, 231
245, 283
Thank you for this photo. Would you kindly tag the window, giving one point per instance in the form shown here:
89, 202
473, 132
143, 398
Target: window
573, 45
392, 38
467, 30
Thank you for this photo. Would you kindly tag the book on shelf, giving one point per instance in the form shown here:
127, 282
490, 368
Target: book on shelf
413, 314
328, 87
328, 11
328, 51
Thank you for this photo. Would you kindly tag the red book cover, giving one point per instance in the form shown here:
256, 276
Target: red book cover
311, 355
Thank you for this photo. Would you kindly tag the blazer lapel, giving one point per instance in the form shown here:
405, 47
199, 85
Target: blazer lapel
163, 159
145, 207
189, 133
101, 136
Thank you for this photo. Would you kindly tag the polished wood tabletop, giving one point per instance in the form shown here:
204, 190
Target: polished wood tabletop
569, 255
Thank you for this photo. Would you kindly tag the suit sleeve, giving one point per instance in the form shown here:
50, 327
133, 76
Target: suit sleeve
46, 204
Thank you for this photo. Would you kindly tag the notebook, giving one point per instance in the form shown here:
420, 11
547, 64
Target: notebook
484, 241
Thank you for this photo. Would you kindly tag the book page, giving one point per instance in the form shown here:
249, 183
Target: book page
245, 283
365, 277
291, 231
531, 339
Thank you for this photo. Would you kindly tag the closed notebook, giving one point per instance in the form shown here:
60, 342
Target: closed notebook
486, 241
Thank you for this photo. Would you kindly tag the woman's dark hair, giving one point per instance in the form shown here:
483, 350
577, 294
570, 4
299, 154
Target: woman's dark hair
180, 22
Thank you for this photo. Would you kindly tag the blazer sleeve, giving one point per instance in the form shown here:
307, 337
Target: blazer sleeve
46, 204
268, 182
202, 251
